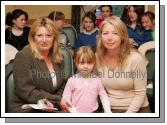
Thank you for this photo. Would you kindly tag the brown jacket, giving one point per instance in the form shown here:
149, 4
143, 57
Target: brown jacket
33, 82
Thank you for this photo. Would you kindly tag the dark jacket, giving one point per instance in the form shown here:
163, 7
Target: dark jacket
33, 82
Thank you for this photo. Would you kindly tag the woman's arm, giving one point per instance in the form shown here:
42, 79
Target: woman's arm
140, 85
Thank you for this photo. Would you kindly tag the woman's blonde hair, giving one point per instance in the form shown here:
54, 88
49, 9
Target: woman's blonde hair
85, 54
121, 29
54, 52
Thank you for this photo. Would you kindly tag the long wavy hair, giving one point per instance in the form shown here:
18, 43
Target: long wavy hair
54, 52
121, 29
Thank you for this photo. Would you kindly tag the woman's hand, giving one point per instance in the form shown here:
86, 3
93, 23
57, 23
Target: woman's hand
49, 106
65, 105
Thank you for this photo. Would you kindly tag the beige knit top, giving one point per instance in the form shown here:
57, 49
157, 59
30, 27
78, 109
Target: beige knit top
127, 88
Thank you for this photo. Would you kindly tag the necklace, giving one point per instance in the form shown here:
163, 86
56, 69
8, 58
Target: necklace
17, 41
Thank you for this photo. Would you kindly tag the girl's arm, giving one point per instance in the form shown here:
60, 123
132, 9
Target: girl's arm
66, 104
104, 98
105, 103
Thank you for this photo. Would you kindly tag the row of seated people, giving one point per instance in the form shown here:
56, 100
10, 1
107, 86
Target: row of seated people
140, 27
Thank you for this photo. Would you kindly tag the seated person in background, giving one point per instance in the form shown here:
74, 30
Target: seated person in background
83, 88
106, 11
148, 22
88, 36
136, 33
59, 20
17, 33
124, 16
38, 68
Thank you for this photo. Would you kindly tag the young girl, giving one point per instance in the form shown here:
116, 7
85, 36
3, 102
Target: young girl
17, 33
148, 22
88, 36
136, 33
59, 19
83, 88
106, 11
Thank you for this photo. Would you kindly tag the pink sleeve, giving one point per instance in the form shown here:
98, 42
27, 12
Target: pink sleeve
68, 90
101, 89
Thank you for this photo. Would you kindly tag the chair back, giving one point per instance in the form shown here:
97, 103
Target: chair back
68, 62
148, 51
71, 34
10, 52
9, 85
150, 55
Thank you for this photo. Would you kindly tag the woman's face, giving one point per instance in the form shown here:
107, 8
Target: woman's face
106, 12
43, 39
20, 21
60, 24
88, 24
147, 23
132, 14
110, 37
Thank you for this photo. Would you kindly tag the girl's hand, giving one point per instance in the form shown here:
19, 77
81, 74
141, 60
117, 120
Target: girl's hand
65, 105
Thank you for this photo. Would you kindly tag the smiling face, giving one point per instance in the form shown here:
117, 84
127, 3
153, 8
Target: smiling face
88, 24
43, 39
147, 23
20, 21
110, 38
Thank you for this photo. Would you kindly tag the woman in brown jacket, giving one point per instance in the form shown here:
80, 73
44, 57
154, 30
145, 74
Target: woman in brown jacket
38, 68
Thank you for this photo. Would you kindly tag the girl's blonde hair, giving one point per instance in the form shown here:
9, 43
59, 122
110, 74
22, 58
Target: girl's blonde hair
121, 29
54, 52
85, 54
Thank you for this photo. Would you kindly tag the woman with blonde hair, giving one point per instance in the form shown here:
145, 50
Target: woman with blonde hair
40, 76
119, 68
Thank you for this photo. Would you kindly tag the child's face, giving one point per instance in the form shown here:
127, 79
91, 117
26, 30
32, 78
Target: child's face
88, 24
132, 14
106, 12
85, 68
60, 24
147, 23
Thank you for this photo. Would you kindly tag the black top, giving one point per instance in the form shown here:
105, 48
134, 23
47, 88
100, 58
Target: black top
17, 41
